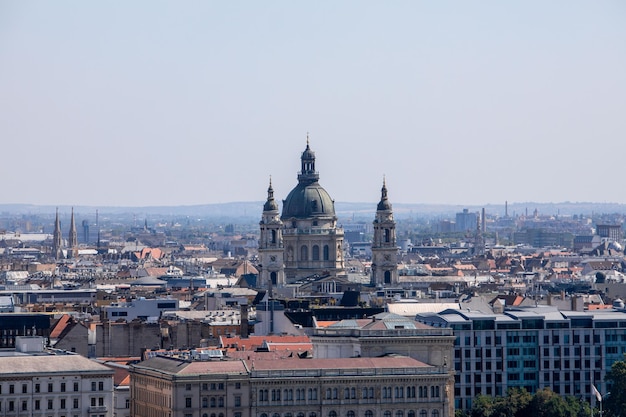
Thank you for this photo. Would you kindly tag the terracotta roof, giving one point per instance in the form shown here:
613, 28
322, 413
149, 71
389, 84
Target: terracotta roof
60, 326
252, 342
338, 363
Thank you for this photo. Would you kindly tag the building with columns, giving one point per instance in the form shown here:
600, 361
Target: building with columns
305, 241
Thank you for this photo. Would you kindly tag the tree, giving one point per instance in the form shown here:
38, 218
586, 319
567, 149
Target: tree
615, 404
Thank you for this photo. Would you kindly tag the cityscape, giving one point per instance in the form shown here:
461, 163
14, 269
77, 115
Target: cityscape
305, 311
312, 209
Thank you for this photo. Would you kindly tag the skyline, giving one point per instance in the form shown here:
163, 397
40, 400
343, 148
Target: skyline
168, 104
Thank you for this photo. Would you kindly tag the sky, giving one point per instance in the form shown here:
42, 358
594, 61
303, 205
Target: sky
172, 103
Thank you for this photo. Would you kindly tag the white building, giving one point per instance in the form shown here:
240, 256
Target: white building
36, 382
140, 308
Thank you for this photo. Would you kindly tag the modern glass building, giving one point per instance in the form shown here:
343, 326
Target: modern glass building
532, 348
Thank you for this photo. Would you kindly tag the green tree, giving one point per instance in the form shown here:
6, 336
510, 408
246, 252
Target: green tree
546, 403
615, 404
482, 406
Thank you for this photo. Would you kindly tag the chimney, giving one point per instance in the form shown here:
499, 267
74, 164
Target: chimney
244, 321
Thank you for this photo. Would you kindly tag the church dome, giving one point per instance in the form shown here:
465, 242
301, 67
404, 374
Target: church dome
308, 198
308, 201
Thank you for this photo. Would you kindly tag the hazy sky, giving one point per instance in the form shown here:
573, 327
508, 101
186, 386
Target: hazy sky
196, 102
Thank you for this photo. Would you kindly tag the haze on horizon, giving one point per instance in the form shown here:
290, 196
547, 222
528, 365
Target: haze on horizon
155, 103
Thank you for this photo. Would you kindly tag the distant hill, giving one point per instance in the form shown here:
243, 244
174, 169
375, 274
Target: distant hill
251, 211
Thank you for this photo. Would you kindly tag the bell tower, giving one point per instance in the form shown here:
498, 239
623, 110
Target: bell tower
384, 248
271, 248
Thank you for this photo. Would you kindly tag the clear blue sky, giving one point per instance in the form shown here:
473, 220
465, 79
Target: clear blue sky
195, 102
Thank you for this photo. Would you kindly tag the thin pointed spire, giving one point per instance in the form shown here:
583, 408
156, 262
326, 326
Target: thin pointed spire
57, 240
270, 204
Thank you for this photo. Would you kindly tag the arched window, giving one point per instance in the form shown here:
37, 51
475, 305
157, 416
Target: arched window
205, 402
312, 414
371, 392
220, 402
328, 393
423, 413
213, 415
369, 413
273, 277
316, 253
435, 413
410, 413
300, 414
273, 236
387, 277
213, 402
205, 415
304, 253
346, 393
335, 394
387, 413
350, 413
364, 393
387, 236
399, 413
332, 413
326, 253
275, 415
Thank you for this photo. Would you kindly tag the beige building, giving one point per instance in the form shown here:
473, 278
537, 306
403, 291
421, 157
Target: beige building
390, 334
305, 241
393, 386
35, 382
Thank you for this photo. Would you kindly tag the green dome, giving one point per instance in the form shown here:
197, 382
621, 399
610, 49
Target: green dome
306, 201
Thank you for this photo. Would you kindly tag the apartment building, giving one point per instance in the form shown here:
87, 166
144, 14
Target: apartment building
394, 386
37, 382
532, 348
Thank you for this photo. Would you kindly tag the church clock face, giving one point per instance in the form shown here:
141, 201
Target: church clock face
387, 257
273, 258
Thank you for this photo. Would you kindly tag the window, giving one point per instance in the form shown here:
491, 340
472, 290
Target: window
435, 413
24, 405
37, 405
205, 402
75, 386
93, 385
24, 388
350, 413
62, 406
101, 401
101, 386
187, 387
37, 388
188, 402
237, 385
75, 403
332, 413
326, 253
369, 413
304, 253
316, 253
399, 413
11, 389
51, 404
237, 400
93, 401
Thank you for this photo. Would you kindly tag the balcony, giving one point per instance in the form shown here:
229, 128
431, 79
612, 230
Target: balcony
98, 409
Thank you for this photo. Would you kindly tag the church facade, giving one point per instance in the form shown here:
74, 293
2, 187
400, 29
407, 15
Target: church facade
304, 243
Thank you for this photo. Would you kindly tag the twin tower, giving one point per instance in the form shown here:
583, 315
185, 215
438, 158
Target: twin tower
304, 243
